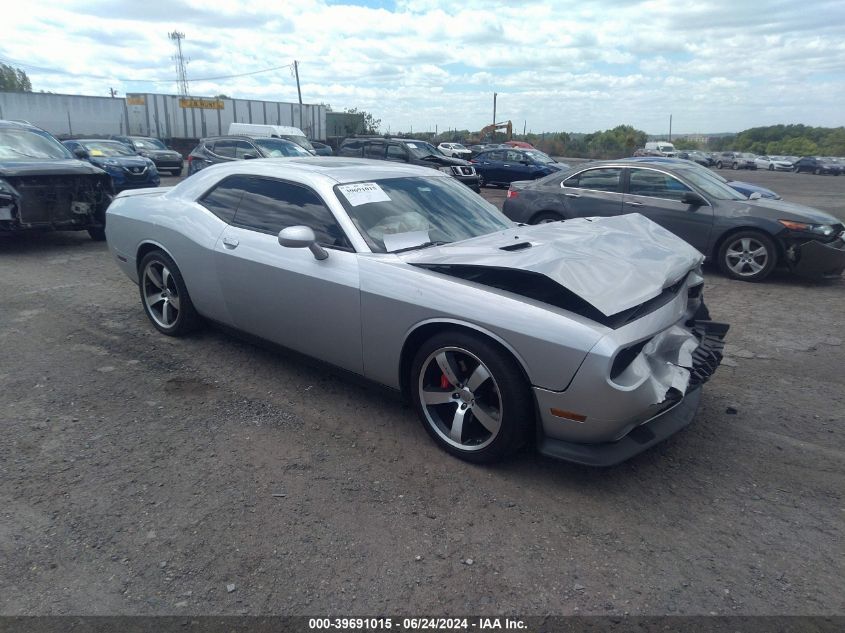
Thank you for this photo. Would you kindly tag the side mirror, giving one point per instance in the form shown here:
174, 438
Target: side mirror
755, 196
692, 198
302, 237
81, 153
250, 155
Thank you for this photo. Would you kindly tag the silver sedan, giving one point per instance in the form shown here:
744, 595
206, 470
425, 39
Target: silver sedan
588, 338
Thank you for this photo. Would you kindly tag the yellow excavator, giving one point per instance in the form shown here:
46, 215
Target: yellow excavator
486, 133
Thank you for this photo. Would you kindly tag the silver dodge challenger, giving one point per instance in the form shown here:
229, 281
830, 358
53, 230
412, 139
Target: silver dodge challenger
588, 338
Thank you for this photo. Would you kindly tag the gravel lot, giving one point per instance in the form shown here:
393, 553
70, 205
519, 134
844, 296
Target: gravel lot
142, 474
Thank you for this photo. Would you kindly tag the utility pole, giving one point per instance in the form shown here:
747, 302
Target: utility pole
495, 94
670, 128
112, 93
181, 72
296, 72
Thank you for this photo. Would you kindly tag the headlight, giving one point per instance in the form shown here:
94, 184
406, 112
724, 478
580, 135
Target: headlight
445, 170
821, 229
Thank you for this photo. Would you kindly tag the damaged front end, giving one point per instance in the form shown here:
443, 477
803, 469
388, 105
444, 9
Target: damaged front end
817, 259
54, 201
629, 395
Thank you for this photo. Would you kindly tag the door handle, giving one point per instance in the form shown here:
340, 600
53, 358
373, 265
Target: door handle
634, 203
505, 165
572, 195
230, 242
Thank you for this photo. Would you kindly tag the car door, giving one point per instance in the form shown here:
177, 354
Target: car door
285, 295
489, 165
657, 195
514, 167
593, 192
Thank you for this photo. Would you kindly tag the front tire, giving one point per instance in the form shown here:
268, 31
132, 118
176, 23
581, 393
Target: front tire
735, 166
747, 256
719, 165
771, 167
481, 181
164, 296
471, 397
817, 171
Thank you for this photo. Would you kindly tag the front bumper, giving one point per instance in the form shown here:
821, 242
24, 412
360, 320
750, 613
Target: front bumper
816, 259
630, 418
168, 164
469, 181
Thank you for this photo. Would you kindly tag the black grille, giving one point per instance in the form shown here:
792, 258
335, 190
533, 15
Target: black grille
708, 355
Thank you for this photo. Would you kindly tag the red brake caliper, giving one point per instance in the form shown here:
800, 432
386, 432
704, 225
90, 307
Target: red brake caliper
444, 382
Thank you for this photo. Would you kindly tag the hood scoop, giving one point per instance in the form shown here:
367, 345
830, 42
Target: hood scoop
611, 264
519, 246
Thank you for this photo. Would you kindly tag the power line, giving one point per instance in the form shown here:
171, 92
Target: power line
55, 71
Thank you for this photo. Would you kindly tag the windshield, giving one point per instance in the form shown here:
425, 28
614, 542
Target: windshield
275, 147
299, 140
711, 186
24, 144
421, 149
148, 143
103, 148
400, 213
540, 157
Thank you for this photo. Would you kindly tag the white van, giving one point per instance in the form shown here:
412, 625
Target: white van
273, 131
663, 148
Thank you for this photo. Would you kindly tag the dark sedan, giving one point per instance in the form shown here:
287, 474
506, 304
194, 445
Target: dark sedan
222, 149
322, 149
504, 165
747, 238
817, 166
165, 159
126, 168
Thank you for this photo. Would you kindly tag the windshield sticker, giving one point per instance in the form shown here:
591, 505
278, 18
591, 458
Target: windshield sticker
96, 152
363, 193
411, 145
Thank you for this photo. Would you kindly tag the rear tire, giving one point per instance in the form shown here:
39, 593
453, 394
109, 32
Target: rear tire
493, 412
735, 166
817, 171
771, 167
719, 165
747, 256
544, 217
164, 296
481, 181
97, 233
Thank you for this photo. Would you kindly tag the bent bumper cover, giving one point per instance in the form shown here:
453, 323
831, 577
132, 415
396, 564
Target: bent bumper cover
817, 259
640, 439
658, 421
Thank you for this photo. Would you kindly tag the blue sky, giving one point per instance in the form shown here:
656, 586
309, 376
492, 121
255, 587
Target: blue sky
719, 65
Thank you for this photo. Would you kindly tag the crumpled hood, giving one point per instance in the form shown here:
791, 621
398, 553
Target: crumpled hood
613, 263
443, 160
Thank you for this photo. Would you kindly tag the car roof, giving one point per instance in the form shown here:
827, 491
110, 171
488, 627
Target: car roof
245, 137
336, 170
93, 140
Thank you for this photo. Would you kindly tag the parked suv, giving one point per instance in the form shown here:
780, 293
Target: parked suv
222, 149
43, 187
165, 159
817, 166
736, 160
411, 151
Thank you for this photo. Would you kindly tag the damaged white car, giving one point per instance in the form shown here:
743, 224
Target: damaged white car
588, 338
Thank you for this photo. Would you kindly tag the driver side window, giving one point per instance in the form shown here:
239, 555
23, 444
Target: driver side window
268, 206
656, 184
397, 153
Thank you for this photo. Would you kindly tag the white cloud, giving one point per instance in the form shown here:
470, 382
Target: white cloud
715, 66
